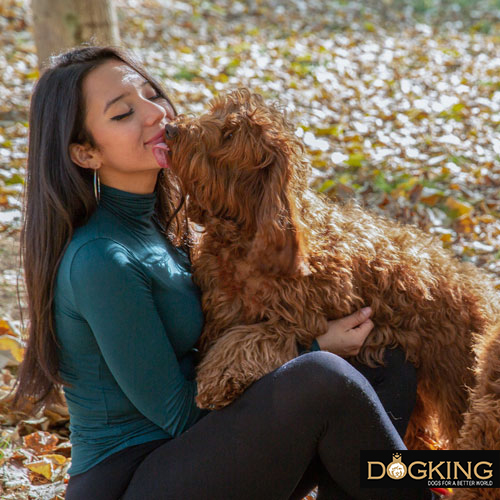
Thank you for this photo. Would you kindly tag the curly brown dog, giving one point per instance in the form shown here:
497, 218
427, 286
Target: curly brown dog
481, 430
276, 261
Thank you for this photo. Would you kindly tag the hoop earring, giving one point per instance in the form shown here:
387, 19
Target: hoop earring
97, 186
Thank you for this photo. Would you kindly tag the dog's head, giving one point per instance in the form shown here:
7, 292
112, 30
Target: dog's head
242, 161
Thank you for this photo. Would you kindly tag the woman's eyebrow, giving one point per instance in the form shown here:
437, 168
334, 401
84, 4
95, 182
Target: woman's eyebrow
115, 99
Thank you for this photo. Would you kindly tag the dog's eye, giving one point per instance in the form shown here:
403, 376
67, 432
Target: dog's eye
228, 135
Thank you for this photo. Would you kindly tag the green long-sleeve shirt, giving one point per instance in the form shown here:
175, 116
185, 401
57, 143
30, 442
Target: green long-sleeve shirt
127, 315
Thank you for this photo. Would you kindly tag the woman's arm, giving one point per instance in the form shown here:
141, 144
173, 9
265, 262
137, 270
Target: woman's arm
113, 294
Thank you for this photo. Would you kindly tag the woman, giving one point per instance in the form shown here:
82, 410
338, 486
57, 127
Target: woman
115, 318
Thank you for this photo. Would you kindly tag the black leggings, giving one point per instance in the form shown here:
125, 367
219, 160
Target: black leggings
299, 426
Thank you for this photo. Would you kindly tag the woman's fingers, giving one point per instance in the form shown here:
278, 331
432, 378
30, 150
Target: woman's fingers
359, 334
356, 319
344, 339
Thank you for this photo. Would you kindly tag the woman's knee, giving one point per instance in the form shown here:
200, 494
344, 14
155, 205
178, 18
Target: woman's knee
323, 375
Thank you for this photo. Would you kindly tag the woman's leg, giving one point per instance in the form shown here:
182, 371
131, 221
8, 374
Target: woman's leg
396, 386
261, 445
109, 479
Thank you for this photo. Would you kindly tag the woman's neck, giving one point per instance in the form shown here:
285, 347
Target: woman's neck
132, 182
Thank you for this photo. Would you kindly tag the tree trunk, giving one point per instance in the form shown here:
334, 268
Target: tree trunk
62, 24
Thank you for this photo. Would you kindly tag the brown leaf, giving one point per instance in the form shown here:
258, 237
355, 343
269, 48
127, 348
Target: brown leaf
40, 442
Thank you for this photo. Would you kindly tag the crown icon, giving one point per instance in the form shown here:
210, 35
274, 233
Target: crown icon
396, 456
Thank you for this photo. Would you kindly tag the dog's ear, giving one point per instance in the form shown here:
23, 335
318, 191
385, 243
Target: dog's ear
278, 247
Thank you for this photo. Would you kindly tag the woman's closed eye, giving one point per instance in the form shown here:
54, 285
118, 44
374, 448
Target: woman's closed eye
120, 117
131, 111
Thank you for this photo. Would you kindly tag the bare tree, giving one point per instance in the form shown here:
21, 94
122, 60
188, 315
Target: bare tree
61, 24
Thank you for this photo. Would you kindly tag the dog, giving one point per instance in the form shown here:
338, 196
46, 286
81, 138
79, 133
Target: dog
276, 261
481, 429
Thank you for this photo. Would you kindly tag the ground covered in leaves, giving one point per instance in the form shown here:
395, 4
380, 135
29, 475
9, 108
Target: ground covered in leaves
397, 101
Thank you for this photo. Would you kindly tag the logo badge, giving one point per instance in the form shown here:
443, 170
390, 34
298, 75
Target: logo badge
396, 469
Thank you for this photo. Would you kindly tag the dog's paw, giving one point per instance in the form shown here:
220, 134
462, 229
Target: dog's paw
214, 397
208, 399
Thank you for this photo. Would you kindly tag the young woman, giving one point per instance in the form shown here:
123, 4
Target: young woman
114, 318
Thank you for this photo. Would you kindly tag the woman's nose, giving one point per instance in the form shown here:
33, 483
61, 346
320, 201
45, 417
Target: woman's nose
154, 112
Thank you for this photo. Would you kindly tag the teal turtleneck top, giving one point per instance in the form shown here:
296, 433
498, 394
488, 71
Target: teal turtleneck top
127, 316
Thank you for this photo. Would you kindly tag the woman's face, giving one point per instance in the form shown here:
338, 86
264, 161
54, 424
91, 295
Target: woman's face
124, 116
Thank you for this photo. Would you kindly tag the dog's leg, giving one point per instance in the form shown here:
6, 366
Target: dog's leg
481, 431
446, 392
419, 433
240, 357
444, 373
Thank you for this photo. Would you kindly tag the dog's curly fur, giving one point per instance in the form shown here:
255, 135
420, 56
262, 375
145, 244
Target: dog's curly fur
481, 430
276, 261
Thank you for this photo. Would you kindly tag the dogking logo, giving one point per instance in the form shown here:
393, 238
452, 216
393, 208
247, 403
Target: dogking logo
430, 468
396, 469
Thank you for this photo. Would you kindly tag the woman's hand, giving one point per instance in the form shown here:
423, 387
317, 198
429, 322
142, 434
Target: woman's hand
345, 336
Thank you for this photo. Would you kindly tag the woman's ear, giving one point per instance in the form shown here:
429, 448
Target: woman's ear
84, 155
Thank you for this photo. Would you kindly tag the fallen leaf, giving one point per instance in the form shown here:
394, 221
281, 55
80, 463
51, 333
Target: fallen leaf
11, 351
40, 441
459, 207
42, 467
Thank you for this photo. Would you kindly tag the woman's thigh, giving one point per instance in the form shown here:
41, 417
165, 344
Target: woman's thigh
109, 479
261, 445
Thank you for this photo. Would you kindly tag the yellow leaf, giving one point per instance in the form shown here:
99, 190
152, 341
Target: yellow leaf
356, 160
446, 237
335, 130
344, 179
487, 219
33, 75
326, 186
461, 207
318, 163
406, 186
43, 467
5, 328
465, 225
431, 200
55, 458
12, 348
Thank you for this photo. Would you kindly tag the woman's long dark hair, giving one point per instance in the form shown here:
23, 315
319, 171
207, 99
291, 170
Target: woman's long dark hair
59, 198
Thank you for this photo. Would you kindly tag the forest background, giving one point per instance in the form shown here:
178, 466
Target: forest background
397, 102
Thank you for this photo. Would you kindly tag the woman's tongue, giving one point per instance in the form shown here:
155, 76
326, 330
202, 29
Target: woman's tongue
160, 152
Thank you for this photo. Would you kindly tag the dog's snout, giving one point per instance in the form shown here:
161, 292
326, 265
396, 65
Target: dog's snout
171, 131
